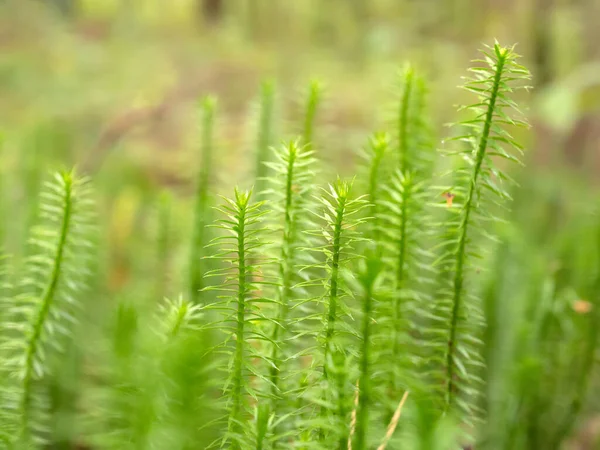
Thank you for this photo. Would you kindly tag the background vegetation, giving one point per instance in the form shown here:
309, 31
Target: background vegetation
166, 105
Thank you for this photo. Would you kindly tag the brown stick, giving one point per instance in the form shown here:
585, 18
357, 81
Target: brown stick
393, 423
353, 418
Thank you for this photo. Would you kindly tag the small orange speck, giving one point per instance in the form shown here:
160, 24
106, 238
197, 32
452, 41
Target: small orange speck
449, 196
582, 307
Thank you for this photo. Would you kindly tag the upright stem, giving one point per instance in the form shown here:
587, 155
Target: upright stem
265, 132
201, 207
401, 244
379, 146
238, 360
285, 274
332, 316
403, 120
364, 396
333, 281
47, 300
464, 226
310, 113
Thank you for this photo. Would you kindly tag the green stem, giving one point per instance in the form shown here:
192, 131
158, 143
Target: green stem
265, 131
201, 206
464, 226
285, 271
333, 281
285, 274
46, 304
238, 360
332, 316
364, 385
403, 120
311, 113
379, 145
342, 408
400, 271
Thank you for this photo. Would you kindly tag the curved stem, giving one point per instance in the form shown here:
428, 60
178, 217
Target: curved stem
332, 315
47, 300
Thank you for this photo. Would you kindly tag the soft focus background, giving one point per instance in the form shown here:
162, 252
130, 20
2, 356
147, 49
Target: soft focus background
112, 86
105, 80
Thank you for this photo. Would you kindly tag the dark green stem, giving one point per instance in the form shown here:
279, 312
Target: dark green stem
464, 227
333, 281
332, 316
400, 269
238, 360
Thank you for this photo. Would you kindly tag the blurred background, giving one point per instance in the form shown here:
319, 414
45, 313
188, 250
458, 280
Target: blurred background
112, 85
104, 79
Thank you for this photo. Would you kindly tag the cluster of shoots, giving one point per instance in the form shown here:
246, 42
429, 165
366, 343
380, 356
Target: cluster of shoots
349, 314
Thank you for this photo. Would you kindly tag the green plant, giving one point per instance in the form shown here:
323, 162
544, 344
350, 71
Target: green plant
40, 316
202, 199
340, 217
264, 138
477, 185
313, 100
371, 313
369, 276
291, 186
241, 307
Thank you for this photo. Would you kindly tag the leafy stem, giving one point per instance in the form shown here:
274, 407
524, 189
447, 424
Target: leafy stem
367, 277
457, 292
47, 300
201, 205
403, 119
242, 275
335, 265
285, 267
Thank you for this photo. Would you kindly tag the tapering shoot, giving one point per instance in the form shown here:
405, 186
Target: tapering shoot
243, 286
197, 265
478, 185
41, 315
